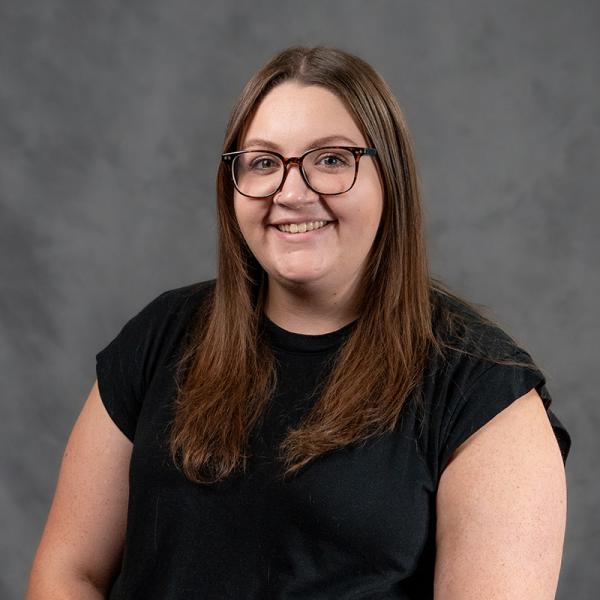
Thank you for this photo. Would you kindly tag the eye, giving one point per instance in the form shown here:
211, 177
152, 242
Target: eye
333, 160
264, 163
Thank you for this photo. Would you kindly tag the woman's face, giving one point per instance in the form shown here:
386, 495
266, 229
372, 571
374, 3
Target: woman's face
291, 119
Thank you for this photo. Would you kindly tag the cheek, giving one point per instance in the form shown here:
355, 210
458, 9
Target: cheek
243, 213
369, 198
369, 210
250, 218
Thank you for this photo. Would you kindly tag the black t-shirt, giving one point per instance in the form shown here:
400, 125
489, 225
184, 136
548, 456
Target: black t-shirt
357, 523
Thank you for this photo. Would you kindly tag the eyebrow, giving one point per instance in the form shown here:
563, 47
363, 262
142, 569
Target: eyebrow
322, 141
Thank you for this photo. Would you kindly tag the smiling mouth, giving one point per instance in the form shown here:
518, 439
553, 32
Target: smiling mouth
297, 228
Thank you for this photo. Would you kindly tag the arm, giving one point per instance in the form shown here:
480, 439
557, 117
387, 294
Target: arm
82, 543
501, 507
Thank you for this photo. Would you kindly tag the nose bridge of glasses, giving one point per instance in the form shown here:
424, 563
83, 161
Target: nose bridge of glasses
293, 160
288, 163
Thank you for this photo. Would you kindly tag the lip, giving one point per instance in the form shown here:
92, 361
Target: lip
306, 235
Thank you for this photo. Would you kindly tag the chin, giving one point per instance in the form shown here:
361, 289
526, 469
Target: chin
295, 278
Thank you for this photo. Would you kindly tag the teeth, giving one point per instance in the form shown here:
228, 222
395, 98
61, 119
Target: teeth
301, 227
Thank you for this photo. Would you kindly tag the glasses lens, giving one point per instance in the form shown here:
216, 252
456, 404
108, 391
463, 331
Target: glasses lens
330, 170
257, 174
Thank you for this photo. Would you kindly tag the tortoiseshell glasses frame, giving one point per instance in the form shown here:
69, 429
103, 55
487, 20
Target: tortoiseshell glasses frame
229, 158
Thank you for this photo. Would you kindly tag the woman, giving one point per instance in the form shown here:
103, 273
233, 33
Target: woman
323, 420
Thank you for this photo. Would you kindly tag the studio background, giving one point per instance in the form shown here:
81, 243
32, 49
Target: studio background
112, 117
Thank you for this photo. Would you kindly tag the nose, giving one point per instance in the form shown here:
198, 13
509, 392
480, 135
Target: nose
293, 189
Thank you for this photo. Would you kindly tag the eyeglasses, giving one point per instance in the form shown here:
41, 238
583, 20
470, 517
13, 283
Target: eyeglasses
329, 170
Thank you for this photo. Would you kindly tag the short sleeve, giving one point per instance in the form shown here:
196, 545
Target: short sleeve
122, 367
490, 392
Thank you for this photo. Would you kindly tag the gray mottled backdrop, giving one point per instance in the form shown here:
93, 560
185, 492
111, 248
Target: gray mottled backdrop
111, 123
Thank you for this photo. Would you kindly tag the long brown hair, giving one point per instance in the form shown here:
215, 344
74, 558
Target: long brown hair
227, 374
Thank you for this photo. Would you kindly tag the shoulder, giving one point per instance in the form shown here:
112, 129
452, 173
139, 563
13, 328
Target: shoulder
473, 345
190, 294
482, 371
469, 328
161, 321
175, 303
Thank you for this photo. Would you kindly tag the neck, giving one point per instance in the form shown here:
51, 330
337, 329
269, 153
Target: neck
308, 310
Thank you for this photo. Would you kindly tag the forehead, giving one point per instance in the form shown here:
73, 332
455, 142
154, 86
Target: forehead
291, 116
